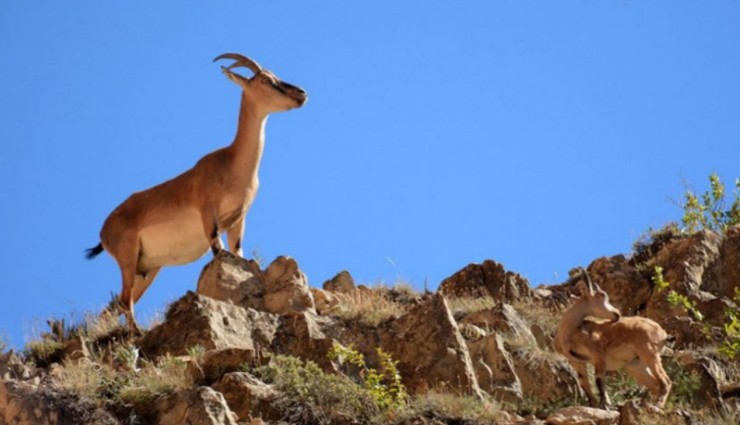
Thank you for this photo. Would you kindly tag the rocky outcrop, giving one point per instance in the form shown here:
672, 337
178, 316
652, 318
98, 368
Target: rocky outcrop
487, 279
196, 320
282, 288
494, 368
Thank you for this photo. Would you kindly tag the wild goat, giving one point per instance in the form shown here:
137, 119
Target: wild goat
633, 343
177, 221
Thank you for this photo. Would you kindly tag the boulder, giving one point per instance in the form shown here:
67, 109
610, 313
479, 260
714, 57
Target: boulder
580, 415
286, 288
229, 277
201, 406
248, 397
341, 283
196, 320
430, 349
487, 279
544, 376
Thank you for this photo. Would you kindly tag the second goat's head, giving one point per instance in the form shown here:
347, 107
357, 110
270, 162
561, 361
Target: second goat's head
596, 299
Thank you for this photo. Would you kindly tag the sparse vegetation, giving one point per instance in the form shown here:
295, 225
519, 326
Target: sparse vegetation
467, 305
369, 307
453, 407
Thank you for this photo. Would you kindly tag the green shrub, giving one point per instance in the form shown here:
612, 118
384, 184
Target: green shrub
385, 387
710, 210
309, 395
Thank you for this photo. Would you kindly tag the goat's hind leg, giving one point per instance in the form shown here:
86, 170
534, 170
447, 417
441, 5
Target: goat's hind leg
660, 378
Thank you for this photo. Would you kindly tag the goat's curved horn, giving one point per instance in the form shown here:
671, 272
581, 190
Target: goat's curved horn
591, 286
241, 60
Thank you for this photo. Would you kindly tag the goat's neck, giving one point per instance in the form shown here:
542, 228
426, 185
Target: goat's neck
249, 141
573, 319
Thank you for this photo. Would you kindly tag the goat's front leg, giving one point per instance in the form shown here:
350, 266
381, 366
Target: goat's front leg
234, 237
582, 373
600, 373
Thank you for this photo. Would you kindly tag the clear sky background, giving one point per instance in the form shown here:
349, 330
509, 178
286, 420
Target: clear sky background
539, 134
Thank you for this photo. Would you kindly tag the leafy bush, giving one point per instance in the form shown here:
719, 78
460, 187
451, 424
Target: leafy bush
311, 396
385, 387
710, 210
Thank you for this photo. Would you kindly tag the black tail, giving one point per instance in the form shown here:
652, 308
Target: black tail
91, 253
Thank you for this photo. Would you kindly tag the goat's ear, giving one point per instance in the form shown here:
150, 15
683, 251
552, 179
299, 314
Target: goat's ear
236, 78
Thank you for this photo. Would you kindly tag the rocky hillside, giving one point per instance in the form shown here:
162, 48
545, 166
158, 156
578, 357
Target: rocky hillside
255, 345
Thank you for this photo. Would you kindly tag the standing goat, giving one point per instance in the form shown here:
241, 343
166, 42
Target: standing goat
177, 221
633, 343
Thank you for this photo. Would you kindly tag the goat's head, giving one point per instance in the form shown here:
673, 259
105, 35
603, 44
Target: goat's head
596, 300
263, 88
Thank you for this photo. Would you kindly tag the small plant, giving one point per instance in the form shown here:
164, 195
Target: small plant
127, 356
710, 210
685, 384
658, 279
731, 344
385, 387
679, 300
674, 298
196, 352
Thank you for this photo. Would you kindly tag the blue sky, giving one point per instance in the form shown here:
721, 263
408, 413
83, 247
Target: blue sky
539, 134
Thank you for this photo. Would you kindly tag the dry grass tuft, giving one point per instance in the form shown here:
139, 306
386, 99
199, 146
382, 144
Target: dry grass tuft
467, 305
451, 407
369, 307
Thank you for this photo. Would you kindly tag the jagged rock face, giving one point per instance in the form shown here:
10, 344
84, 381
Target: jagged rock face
248, 397
486, 279
198, 320
494, 368
430, 349
302, 335
25, 404
729, 265
201, 406
282, 288
502, 318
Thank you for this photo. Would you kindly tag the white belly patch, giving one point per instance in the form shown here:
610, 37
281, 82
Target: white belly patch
179, 240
